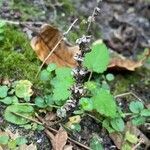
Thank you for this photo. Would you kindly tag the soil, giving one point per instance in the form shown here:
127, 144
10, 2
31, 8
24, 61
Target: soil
123, 25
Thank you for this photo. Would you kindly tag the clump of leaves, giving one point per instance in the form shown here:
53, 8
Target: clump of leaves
139, 113
6, 141
61, 84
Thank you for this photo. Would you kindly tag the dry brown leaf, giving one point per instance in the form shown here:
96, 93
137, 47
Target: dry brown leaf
1, 148
117, 139
119, 62
28, 147
68, 147
60, 139
46, 40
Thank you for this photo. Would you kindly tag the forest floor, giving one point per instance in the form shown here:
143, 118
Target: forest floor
123, 26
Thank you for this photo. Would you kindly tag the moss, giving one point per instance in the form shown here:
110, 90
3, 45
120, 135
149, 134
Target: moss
18, 60
26, 9
124, 83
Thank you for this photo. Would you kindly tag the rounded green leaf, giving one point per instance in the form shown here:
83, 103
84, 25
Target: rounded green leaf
11, 112
110, 77
104, 103
145, 112
131, 137
117, 124
138, 121
45, 75
136, 106
4, 139
51, 67
40, 102
86, 104
7, 100
23, 89
98, 59
21, 140
95, 143
3, 91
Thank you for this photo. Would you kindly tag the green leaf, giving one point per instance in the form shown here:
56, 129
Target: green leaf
9, 100
1, 37
95, 143
136, 106
104, 103
4, 139
21, 140
40, 127
76, 127
138, 121
51, 67
23, 89
131, 137
6, 100
106, 125
2, 24
48, 100
97, 60
126, 146
145, 112
86, 104
40, 102
105, 86
12, 144
45, 75
61, 83
11, 112
110, 77
1, 30
3, 91
117, 124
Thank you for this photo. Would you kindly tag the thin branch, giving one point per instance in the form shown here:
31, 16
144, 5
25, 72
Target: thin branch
90, 22
90, 76
54, 48
25, 117
128, 93
138, 144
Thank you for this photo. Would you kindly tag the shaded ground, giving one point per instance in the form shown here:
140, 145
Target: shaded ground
124, 26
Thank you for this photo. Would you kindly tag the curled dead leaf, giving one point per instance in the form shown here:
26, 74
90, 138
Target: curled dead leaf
47, 40
60, 139
119, 62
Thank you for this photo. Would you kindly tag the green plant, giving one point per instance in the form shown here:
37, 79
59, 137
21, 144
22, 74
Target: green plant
9, 143
139, 113
95, 143
2, 30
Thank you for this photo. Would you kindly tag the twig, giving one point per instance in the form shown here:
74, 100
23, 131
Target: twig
138, 144
129, 93
20, 115
54, 48
90, 22
21, 23
90, 76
